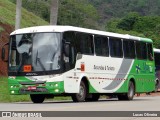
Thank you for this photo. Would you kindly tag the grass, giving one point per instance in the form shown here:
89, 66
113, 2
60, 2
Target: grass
1, 29
6, 97
7, 13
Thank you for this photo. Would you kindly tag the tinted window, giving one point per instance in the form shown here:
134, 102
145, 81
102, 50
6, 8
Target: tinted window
115, 47
128, 49
69, 37
101, 45
141, 50
84, 43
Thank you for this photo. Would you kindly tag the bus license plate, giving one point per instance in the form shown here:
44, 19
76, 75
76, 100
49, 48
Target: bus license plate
32, 88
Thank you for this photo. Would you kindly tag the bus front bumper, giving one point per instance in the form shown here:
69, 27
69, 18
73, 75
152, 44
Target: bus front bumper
45, 88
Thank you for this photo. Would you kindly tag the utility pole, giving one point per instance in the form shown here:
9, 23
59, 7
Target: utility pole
53, 12
18, 14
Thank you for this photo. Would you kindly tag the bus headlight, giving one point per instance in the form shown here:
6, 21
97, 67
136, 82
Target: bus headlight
56, 85
56, 90
12, 92
12, 77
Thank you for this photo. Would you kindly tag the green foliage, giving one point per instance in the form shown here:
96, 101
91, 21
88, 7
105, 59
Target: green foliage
128, 22
146, 23
138, 25
112, 27
71, 12
1, 29
6, 97
77, 13
7, 13
120, 8
38, 7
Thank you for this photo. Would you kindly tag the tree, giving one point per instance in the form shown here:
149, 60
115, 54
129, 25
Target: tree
18, 14
54, 12
127, 23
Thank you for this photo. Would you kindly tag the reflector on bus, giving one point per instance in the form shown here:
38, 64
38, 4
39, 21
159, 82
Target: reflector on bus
27, 68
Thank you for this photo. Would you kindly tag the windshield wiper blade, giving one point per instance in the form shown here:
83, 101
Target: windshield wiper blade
51, 64
38, 60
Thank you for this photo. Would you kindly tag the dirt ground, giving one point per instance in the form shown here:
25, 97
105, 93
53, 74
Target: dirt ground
151, 94
4, 38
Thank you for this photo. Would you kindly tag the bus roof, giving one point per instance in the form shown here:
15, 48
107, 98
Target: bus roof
58, 28
156, 50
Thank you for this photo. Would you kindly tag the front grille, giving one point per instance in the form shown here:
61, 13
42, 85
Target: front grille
32, 83
38, 90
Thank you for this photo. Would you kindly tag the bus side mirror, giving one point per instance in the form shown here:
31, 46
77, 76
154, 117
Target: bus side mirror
3, 54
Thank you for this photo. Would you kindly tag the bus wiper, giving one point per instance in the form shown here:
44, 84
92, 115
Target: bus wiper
51, 64
20, 66
38, 60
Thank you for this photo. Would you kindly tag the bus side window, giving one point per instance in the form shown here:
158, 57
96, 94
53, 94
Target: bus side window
115, 47
69, 37
101, 45
141, 50
129, 49
84, 43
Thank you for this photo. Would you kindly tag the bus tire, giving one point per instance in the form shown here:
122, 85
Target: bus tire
94, 97
130, 94
37, 98
80, 97
131, 91
156, 85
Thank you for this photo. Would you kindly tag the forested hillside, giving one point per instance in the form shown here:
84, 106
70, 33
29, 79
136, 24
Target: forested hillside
71, 12
135, 17
119, 8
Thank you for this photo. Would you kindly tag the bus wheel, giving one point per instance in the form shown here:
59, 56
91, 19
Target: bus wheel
37, 98
94, 97
131, 91
156, 86
130, 94
80, 97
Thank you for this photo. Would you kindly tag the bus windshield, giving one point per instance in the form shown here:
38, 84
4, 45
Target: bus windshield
34, 52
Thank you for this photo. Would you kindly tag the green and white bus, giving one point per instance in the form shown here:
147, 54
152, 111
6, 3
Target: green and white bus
47, 61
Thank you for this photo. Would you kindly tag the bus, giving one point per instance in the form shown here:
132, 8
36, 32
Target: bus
48, 61
157, 65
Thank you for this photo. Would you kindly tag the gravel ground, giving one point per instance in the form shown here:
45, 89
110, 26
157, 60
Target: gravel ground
150, 94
